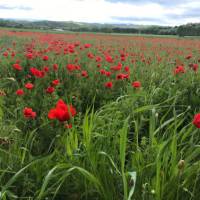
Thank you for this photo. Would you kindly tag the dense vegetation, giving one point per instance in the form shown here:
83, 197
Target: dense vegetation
184, 30
85, 116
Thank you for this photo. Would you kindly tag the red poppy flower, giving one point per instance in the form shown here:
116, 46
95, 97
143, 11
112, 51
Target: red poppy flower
122, 76
123, 58
55, 82
29, 56
17, 67
117, 68
108, 74
55, 67
37, 73
108, 85
71, 50
99, 65
126, 68
71, 67
50, 90
62, 111
188, 56
28, 113
90, 55
84, 74
29, 86
136, 84
45, 69
20, 92
103, 71
179, 69
196, 120
98, 59
194, 67
109, 59
5, 54
45, 58
87, 46
13, 54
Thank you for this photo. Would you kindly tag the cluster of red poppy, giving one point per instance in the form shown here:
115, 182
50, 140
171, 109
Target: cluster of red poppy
28, 113
111, 61
62, 111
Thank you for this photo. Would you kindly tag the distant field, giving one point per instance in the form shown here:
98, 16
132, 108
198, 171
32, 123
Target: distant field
88, 116
66, 32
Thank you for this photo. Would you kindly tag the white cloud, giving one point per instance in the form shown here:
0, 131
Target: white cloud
95, 11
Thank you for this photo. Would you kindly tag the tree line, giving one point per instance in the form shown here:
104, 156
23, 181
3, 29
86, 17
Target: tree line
191, 29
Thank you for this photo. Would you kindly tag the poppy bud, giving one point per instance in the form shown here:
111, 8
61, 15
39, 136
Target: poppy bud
181, 164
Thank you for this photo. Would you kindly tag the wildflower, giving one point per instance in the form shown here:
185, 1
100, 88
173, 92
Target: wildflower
45, 69
5, 54
102, 71
45, 58
90, 55
98, 59
194, 67
188, 56
196, 120
17, 67
19, 92
84, 74
87, 46
29, 86
28, 113
179, 69
37, 73
55, 82
108, 85
55, 67
116, 68
122, 76
136, 84
62, 111
108, 73
29, 56
71, 67
50, 90
126, 68
13, 54
109, 59
99, 65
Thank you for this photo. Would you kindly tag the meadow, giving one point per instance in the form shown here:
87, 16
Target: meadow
99, 117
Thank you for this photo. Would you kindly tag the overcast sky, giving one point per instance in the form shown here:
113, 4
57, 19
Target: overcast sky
160, 12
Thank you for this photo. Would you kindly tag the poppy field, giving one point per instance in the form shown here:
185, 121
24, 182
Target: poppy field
99, 117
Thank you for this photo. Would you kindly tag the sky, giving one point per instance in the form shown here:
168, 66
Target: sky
143, 12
